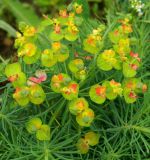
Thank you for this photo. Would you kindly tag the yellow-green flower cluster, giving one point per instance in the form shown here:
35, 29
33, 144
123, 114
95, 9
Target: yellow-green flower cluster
89, 139
23, 94
63, 84
108, 90
94, 42
42, 131
80, 108
78, 69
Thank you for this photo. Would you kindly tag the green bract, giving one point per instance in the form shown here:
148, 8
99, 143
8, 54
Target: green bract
92, 138
37, 94
92, 44
21, 95
43, 134
108, 60
56, 36
85, 118
131, 87
33, 59
116, 35
123, 47
70, 91
42, 131
129, 68
58, 53
129, 95
20, 80
29, 52
48, 58
65, 27
78, 105
76, 65
97, 94
77, 68
12, 69
15, 75
113, 89
63, 84
59, 81
82, 146
33, 125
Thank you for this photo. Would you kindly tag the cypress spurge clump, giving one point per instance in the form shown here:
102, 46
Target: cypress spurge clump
48, 72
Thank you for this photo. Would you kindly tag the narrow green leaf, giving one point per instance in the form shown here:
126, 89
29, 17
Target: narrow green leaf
21, 12
8, 28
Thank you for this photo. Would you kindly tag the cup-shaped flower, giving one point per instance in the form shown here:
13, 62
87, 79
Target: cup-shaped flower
113, 89
81, 75
37, 94
33, 125
129, 95
116, 35
70, 91
85, 118
123, 47
135, 84
131, 87
57, 33
78, 8
43, 133
130, 68
48, 58
92, 138
77, 68
61, 51
12, 69
71, 33
19, 80
93, 44
29, 31
82, 146
29, 52
32, 59
63, 18
126, 28
15, 75
108, 60
78, 105
59, 81
21, 96
20, 40
76, 65
97, 94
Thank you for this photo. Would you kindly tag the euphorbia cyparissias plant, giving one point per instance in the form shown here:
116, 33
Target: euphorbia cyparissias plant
51, 48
